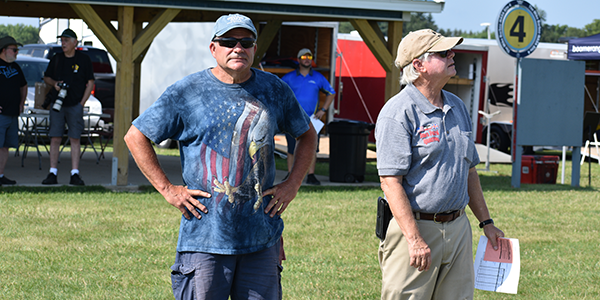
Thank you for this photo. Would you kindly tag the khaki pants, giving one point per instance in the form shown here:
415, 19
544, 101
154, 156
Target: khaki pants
451, 273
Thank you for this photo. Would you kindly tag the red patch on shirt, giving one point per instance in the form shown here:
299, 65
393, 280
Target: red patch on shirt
429, 133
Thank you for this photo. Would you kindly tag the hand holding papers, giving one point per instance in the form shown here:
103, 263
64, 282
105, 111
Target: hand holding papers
317, 124
498, 270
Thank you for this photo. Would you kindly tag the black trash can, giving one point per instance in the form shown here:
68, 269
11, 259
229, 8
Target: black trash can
348, 150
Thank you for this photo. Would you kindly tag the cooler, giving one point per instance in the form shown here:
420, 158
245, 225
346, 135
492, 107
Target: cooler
539, 168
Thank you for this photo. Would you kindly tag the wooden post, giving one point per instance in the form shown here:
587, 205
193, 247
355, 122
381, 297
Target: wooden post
128, 46
385, 52
265, 37
372, 36
104, 31
137, 74
392, 77
123, 95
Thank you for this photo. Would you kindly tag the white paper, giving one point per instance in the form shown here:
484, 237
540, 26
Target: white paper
498, 271
317, 124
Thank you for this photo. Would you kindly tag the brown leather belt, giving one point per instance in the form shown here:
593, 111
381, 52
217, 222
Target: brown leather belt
439, 217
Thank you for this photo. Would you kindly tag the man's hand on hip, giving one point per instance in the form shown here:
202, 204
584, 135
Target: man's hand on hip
283, 194
183, 198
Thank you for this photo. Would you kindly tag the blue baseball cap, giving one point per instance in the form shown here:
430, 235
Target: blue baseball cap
228, 22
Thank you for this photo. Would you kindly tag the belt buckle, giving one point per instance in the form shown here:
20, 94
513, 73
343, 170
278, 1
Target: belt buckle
435, 219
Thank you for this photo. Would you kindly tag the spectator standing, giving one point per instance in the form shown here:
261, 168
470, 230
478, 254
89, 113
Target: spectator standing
12, 100
74, 69
426, 161
306, 84
225, 119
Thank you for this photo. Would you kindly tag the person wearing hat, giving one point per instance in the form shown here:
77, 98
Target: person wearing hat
225, 119
426, 161
12, 100
306, 84
75, 69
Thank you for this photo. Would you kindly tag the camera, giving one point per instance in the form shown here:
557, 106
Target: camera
61, 96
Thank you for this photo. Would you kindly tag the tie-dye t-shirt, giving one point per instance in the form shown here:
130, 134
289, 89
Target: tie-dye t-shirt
226, 139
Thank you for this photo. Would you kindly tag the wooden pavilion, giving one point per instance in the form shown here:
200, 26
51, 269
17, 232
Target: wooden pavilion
140, 21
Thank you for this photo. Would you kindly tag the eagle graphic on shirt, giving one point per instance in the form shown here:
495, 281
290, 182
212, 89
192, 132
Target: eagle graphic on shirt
235, 154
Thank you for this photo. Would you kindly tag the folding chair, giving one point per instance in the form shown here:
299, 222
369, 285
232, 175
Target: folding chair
33, 130
587, 150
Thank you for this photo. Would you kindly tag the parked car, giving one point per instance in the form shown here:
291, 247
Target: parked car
104, 88
33, 69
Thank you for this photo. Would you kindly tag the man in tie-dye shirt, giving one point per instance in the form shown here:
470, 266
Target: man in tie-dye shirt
225, 119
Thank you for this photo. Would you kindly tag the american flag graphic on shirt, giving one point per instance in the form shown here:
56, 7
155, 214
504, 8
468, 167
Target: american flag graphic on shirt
232, 159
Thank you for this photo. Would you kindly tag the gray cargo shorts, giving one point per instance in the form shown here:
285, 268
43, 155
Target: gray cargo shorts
72, 116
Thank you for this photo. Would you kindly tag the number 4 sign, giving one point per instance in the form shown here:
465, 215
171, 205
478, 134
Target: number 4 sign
518, 29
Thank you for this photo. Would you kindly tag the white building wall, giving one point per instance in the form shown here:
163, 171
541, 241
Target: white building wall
178, 50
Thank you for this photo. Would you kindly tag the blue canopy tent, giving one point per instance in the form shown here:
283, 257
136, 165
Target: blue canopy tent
588, 49
585, 48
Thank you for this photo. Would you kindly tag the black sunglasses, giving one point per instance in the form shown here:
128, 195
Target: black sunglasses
442, 54
230, 42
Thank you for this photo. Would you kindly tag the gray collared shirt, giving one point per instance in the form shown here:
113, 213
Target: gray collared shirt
430, 147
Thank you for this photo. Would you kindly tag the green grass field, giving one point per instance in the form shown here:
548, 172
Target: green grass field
91, 243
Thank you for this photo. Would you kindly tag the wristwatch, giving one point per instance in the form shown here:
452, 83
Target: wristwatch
486, 222
323, 109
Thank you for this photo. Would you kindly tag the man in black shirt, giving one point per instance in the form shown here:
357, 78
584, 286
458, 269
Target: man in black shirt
12, 99
74, 69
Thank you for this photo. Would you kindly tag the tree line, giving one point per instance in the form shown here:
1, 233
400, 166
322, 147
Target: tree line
550, 33
24, 34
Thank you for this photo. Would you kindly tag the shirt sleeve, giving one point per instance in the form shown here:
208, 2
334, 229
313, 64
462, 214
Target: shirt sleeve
394, 151
161, 120
325, 86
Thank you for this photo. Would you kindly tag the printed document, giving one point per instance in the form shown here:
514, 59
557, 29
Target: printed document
317, 124
498, 270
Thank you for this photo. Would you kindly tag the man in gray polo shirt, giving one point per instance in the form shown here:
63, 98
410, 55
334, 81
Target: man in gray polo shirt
426, 161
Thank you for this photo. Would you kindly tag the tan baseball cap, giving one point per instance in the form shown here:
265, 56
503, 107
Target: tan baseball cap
416, 43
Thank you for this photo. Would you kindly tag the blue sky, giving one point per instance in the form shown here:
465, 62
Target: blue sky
15, 20
469, 14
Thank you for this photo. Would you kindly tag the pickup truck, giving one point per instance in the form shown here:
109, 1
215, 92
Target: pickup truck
104, 87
